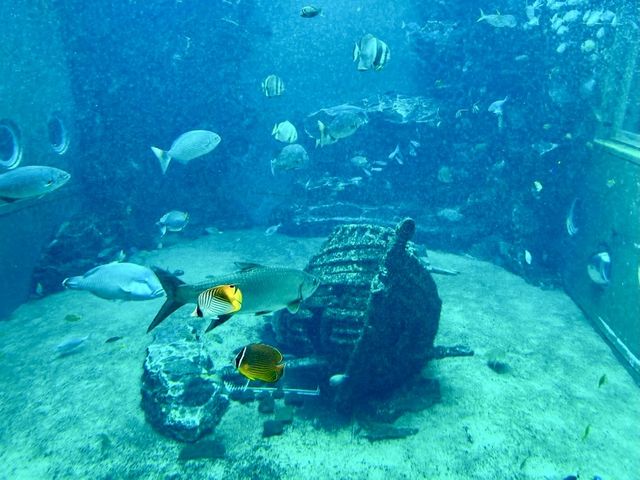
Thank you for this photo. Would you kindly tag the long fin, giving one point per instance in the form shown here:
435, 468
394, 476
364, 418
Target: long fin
218, 321
294, 306
246, 266
170, 283
163, 157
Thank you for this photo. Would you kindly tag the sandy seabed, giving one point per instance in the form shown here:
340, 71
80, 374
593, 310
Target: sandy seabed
79, 416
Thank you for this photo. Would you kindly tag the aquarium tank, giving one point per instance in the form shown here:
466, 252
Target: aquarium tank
356, 240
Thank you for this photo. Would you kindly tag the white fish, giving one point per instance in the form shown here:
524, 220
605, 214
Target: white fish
498, 20
562, 47
173, 221
594, 18
359, 161
118, 281
338, 379
544, 147
571, 16
285, 132
272, 229
70, 345
570, 220
588, 46
30, 182
186, 147
537, 186
496, 107
396, 155
600, 33
562, 30
527, 257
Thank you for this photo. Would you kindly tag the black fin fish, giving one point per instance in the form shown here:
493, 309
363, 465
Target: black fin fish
170, 283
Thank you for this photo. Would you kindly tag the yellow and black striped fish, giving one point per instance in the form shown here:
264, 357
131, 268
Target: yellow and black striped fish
218, 301
258, 361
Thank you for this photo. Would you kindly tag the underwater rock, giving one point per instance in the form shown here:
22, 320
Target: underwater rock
284, 415
272, 428
266, 405
179, 397
376, 300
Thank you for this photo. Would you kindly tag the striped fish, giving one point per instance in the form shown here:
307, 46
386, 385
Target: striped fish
272, 86
258, 361
371, 53
218, 302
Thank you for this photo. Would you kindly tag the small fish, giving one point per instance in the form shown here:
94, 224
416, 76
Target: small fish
173, 221
371, 53
310, 11
359, 161
285, 132
70, 346
528, 258
586, 432
72, 317
498, 20
186, 147
544, 147
112, 339
272, 86
219, 302
30, 182
272, 229
291, 157
570, 220
562, 47
588, 46
338, 379
397, 155
602, 380
258, 361
496, 107
537, 186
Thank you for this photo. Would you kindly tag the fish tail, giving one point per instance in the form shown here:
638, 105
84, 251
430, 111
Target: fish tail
170, 283
323, 134
481, 16
163, 157
71, 283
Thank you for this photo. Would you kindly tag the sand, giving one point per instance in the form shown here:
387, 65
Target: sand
79, 416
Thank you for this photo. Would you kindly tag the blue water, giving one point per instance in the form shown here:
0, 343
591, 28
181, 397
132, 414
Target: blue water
494, 185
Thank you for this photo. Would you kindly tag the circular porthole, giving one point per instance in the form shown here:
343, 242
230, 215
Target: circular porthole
58, 134
10, 145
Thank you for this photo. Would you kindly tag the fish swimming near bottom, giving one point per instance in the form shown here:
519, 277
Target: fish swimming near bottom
70, 345
118, 281
260, 362
264, 290
30, 182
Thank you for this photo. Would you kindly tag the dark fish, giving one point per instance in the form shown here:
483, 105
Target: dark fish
112, 339
260, 362
310, 11
602, 381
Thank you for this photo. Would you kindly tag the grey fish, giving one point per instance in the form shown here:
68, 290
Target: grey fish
173, 221
186, 147
341, 126
118, 281
310, 11
264, 290
31, 181
291, 157
70, 346
371, 53
498, 20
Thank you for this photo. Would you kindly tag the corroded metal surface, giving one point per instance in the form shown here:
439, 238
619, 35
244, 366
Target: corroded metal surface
374, 316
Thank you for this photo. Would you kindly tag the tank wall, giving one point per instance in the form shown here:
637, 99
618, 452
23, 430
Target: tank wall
34, 89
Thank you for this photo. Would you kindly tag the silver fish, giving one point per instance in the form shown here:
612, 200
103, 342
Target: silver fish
31, 181
173, 221
570, 220
118, 281
264, 290
272, 229
285, 132
70, 345
498, 20
186, 147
